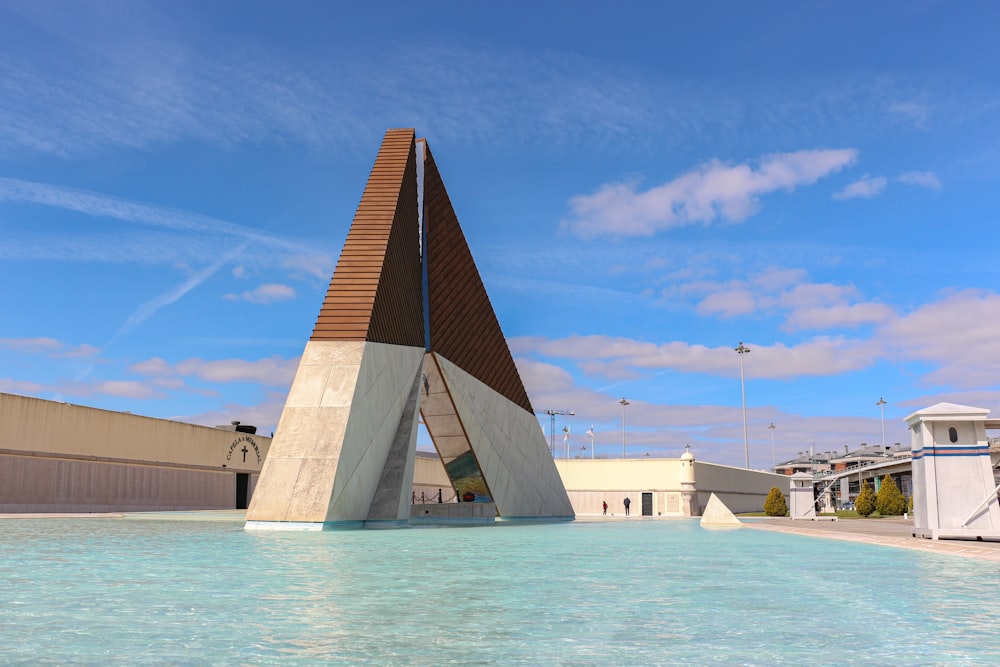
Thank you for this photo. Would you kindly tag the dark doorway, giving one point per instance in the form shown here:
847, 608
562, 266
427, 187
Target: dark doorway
647, 504
242, 489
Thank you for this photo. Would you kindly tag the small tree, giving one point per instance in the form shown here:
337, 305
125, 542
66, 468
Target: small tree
890, 501
774, 504
865, 502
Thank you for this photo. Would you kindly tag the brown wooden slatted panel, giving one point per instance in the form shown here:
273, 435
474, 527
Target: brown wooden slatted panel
375, 293
463, 326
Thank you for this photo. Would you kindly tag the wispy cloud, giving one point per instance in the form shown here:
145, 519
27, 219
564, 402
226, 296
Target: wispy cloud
32, 345
914, 112
713, 191
866, 187
103, 206
151, 307
924, 179
27, 387
272, 371
48, 346
617, 357
805, 305
957, 334
131, 79
264, 294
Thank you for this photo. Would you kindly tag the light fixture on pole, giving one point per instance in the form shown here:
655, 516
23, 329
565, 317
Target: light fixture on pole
741, 350
623, 402
566, 440
774, 463
881, 407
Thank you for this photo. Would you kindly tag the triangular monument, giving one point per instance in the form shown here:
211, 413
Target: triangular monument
344, 449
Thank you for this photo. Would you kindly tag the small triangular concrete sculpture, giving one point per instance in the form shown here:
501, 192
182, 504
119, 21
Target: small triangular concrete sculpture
717, 515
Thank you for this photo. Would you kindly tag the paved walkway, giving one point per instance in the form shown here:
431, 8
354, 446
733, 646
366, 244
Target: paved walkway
890, 532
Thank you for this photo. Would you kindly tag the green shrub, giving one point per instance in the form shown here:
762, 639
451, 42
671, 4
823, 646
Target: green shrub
889, 501
774, 504
864, 504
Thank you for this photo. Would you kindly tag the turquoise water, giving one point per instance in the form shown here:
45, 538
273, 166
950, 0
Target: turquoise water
99, 591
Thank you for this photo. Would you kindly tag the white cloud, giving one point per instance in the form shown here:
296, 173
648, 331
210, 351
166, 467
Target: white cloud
866, 187
32, 345
122, 388
268, 293
728, 303
23, 387
272, 371
315, 266
49, 346
617, 357
838, 316
776, 278
263, 415
805, 305
924, 179
957, 334
713, 191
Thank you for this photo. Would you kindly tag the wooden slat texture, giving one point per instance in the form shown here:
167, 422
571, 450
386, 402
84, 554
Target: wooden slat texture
463, 326
375, 294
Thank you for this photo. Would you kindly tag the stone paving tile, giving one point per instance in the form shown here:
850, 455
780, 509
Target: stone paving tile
886, 532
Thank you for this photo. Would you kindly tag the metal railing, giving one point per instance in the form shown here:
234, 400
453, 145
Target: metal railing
898, 458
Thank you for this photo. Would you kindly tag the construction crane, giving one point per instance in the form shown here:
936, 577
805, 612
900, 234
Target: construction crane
552, 426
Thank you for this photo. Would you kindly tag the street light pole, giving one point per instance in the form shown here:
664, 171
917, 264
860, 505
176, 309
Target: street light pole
774, 463
881, 407
741, 350
624, 402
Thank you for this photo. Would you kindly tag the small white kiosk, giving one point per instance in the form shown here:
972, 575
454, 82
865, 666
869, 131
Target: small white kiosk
801, 496
954, 493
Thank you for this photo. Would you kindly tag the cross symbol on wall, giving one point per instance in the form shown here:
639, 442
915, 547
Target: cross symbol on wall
244, 450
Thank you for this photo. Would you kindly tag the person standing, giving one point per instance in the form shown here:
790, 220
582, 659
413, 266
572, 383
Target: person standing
605, 508
627, 503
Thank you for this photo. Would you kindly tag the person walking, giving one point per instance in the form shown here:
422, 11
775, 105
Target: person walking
627, 503
605, 508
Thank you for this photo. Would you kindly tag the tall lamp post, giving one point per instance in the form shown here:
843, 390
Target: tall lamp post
623, 402
881, 407
741, 350
774, 463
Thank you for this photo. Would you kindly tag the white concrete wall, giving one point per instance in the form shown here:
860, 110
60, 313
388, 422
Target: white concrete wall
740, 489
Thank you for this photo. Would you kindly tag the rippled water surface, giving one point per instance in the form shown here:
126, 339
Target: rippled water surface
106, 591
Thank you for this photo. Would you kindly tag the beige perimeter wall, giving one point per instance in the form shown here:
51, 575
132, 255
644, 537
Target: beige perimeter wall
56, 457
590, 482
740, 489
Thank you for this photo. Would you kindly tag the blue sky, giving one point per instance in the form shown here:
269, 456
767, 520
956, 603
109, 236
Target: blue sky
642, 186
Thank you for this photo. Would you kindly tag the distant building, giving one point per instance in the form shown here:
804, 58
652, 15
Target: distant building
57, 457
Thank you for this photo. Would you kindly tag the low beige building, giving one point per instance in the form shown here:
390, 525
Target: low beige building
663, 487
56, 457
